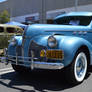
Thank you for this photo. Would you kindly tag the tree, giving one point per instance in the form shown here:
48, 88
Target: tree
4, 17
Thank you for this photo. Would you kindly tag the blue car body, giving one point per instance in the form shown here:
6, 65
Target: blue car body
69, 39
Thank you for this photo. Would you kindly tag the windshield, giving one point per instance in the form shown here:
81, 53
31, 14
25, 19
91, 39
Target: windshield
74, 20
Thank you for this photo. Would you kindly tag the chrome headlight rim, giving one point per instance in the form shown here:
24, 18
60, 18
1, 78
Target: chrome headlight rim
52, 42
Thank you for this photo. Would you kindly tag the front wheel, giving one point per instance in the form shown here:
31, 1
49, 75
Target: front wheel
78, 69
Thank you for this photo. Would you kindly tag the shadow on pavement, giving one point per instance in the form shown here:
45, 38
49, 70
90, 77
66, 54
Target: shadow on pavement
40, 80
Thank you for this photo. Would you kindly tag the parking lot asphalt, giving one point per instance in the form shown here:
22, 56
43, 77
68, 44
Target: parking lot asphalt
2, 66
41, 81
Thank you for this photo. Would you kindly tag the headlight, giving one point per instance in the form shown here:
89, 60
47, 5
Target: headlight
52, 42
13, 41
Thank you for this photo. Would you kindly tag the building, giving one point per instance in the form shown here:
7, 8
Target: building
42, 11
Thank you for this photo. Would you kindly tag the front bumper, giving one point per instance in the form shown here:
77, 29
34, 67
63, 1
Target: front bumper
30, 61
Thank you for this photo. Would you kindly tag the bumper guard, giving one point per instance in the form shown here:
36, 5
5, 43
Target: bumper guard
19, 60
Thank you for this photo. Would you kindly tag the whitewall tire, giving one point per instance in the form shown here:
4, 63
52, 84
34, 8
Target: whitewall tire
80, 67
77, 70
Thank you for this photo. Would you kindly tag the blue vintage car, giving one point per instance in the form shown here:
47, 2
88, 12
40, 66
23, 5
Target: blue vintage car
65, 44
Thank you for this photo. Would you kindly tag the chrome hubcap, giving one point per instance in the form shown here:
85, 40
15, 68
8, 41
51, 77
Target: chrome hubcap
80, 66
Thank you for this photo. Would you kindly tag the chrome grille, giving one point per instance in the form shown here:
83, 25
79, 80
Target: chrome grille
36, 48
19, 50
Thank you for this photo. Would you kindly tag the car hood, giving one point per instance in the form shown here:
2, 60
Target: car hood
37, 29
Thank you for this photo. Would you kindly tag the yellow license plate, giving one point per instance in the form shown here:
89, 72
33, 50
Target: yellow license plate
52, 54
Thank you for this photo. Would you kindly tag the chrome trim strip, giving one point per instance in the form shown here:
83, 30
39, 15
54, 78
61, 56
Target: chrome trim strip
67, 31
32, 60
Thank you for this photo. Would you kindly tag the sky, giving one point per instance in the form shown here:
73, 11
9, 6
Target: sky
2, 1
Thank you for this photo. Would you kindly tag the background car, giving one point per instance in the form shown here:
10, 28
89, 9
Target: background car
6, 32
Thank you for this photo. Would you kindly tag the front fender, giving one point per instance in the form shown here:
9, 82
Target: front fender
70, 45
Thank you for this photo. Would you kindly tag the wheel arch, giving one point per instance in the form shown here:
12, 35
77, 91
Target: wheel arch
71, 45
70, 69
85, 49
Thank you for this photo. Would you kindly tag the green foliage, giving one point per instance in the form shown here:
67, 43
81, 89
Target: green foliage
4, 17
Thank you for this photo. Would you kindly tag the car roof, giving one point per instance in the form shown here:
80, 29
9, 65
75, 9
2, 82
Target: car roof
12, 26
75, 14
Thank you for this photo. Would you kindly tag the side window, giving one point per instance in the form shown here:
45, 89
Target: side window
11, 30
1, 29
74, 22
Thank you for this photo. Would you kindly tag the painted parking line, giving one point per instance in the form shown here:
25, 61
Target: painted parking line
5, 69
4, 72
